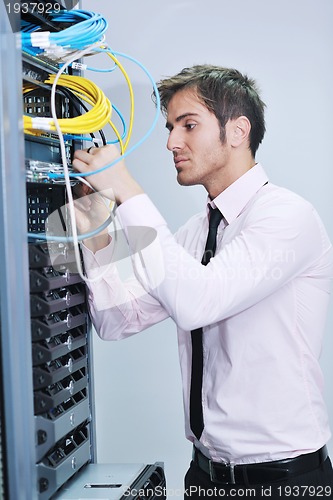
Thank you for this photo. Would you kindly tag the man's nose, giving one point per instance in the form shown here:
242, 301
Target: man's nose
175, 141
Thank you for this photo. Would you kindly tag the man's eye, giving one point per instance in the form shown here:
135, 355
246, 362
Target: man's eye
190, 126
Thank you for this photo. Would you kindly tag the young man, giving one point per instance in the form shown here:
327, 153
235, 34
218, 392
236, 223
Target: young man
250, 312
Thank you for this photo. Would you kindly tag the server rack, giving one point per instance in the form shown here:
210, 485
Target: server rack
17, 436
47, 433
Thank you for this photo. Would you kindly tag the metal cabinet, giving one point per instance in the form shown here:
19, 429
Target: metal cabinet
47, 433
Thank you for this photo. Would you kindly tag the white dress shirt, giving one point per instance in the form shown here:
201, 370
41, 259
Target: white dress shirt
262, 303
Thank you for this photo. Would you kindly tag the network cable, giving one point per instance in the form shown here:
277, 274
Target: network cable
92, 121
93, 139
86, 28
146, 135
61, 126
95, 119
78, 104
71, 206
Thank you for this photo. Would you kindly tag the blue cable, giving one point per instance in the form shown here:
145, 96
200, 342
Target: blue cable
88, 28
122, 122
32, 51
147, 134
105, 70
85, 32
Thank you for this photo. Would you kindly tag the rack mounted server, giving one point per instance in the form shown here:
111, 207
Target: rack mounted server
47, 438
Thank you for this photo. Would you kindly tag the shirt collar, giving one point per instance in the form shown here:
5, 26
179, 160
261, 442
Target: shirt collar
232, 201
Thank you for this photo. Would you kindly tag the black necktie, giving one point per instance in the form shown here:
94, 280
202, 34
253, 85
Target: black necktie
196, 416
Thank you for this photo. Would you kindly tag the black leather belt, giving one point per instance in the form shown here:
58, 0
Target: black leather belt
259, 473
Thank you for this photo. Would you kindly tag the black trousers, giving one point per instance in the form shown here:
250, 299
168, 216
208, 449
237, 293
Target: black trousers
315, 484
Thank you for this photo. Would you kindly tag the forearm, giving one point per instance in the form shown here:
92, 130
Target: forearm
119, 307
126, 187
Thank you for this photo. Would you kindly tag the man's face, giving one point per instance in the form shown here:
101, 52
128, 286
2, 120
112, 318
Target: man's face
194, 140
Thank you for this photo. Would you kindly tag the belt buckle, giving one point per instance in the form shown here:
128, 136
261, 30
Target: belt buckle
222, 473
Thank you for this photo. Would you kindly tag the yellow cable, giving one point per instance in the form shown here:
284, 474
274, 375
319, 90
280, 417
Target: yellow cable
91, 121
130, 127
101, 112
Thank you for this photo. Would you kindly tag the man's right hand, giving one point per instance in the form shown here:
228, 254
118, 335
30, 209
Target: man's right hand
116, 181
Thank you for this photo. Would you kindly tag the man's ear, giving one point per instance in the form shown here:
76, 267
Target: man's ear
240, 131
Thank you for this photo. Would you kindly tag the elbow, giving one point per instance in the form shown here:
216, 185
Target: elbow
106, 330
187, 319
190, 317
119, 328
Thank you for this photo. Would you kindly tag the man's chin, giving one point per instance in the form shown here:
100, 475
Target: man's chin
183, 181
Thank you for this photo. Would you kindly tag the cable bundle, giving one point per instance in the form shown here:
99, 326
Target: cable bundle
86, 29
91, 121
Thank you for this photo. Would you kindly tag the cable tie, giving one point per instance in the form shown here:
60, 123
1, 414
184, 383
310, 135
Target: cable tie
40, 39
56, 52
41, 123
81, 66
